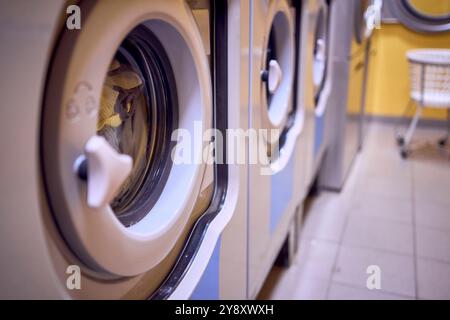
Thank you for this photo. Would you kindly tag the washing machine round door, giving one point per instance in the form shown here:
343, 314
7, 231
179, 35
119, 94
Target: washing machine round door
422, 15
122, 93
278, 65
320, 54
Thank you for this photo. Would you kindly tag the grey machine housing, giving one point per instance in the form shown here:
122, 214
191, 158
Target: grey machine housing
343, 130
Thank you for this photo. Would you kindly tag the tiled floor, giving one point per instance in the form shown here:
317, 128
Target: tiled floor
392, 213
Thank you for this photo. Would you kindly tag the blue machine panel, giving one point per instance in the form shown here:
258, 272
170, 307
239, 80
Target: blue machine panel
208, 286
282, 185
319, 134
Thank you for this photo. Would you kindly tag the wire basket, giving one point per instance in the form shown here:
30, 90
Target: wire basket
430, 77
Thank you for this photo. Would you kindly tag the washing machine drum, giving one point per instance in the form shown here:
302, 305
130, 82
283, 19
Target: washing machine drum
120, 91
137, 114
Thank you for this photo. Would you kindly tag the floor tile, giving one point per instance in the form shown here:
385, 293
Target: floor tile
309, 275
386, 186
431, 178
394, 209
311, 289
326, 218
430, 165
384, 164
434, 192
349, 186
433, 243
315, 264
392, 212
369, 232
316, 257
397, 271
435, 215
344, 292
433, 279
280, 284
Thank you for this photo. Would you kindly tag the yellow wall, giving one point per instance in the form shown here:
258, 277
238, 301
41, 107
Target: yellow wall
388, 83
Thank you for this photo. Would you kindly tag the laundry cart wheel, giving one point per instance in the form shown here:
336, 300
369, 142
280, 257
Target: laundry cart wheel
400, 140
442, 142
404, 153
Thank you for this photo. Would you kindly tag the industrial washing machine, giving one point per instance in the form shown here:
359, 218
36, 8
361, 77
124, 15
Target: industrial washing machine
94, 184
349, 32
225, 276
314, 92
274, 178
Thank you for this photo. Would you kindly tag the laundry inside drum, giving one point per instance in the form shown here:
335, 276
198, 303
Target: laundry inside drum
137, 114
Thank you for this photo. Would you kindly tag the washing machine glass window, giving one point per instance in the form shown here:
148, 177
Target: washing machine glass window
320, 53
278, 69
138, 112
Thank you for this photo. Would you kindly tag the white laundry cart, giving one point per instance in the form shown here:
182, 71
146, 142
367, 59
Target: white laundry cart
429, 71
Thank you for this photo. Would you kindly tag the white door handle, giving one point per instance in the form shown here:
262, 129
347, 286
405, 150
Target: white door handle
275, 75
320, 50
372, 17
319, 62
106, 171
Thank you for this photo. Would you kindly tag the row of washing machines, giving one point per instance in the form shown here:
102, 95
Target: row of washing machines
93, 204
